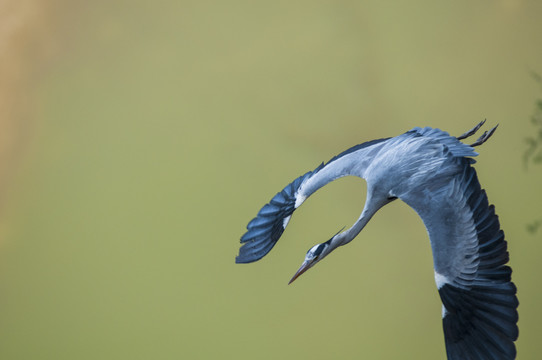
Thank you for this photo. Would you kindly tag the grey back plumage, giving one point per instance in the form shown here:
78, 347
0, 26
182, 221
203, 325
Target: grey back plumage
432, 172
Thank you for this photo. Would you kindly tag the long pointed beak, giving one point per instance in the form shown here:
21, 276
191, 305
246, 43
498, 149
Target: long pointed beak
304, 267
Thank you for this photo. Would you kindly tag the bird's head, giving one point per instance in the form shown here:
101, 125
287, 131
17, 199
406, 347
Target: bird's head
315, 254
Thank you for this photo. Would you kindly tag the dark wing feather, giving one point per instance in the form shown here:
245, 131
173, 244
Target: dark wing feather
266, 228
488, 307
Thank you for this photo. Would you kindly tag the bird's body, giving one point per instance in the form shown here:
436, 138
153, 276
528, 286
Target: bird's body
430, 171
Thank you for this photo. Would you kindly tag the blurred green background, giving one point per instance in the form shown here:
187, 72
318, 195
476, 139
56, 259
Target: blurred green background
154, 131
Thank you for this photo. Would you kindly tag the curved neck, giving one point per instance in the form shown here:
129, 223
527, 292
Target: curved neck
372, 205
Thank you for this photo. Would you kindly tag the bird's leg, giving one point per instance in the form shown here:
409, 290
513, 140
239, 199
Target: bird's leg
486, 135
471, 131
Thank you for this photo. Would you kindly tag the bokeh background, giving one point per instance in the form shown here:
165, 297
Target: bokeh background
138, 139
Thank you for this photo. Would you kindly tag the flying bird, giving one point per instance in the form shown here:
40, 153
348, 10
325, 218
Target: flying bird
432, 172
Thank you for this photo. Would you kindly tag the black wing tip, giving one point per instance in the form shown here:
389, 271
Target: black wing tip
480, 322
477, 347
481, 345
240, 259
256, 249
265, 229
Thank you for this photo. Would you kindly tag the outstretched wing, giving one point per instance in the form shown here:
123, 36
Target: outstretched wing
469, 252
266, 228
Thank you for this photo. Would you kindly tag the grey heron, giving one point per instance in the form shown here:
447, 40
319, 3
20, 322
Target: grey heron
432, 172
